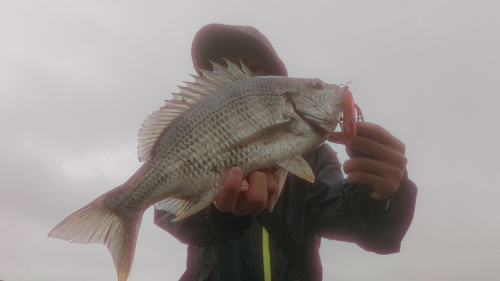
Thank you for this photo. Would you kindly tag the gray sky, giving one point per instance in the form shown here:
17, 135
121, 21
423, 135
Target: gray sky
78, 77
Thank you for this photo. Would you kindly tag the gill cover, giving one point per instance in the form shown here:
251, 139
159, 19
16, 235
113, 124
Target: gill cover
319, 104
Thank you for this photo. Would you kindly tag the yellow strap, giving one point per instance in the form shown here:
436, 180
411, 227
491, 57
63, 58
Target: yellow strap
266, 254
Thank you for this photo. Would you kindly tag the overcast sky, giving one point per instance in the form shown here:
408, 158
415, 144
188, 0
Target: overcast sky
77, 78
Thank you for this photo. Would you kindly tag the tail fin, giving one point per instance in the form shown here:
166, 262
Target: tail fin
96, 223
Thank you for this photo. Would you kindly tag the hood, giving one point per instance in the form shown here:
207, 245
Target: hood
213, 40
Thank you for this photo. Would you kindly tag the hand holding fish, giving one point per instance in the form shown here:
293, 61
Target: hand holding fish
383, 163
246, 198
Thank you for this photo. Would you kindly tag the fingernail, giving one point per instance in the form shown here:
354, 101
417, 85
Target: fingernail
236, 172
244, 185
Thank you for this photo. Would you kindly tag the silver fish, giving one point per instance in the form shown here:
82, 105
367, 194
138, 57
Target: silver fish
226, 118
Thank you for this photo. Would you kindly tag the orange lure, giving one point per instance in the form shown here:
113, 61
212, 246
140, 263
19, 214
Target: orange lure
349, 117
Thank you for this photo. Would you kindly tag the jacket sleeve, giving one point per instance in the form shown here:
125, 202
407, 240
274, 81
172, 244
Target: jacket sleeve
345, 212
208, 227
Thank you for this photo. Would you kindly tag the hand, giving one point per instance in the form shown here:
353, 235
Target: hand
382, 164
248, 197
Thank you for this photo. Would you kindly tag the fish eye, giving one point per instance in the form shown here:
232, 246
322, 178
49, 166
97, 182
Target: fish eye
318, 84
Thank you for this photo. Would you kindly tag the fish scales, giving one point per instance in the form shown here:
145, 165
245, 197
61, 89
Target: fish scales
226, 119
209, 125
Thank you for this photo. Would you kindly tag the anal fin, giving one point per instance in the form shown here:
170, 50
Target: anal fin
182, 208
195, 208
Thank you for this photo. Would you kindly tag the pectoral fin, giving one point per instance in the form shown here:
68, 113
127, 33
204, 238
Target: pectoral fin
298, 166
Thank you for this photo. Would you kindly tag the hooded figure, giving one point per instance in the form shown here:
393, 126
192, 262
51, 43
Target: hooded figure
284, 244
215, 41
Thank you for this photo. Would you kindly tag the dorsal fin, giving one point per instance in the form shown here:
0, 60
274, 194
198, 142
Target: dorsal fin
197, 86
236, 71
246, 70
219, 69
216, 77
203, 81
211, 81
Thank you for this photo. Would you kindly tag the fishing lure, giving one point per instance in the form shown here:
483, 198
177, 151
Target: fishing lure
350, 114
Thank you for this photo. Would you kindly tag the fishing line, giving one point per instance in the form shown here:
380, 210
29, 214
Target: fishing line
113, 152
78, 194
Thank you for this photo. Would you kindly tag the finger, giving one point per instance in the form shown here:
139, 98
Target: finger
379, 151
352, 153
381, 188
272, 186
379, 134
272, 189
255, 198
228, 195
373, 167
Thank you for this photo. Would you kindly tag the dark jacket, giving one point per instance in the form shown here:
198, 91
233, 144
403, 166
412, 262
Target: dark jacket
225, 247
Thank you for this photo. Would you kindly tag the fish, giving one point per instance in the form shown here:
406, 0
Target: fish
225, 118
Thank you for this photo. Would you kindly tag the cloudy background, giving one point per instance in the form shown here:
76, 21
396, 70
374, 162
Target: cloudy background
77, 78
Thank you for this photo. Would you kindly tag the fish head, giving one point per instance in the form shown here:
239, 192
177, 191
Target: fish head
318, 103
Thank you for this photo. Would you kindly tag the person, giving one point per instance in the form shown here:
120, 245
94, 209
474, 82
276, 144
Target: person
236, 238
